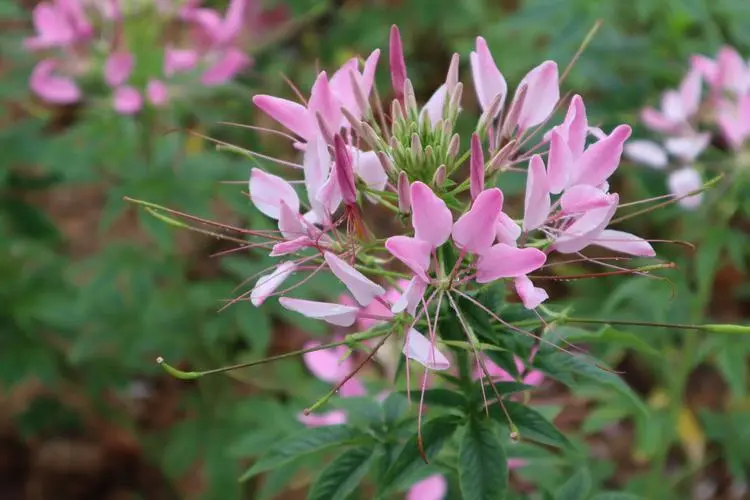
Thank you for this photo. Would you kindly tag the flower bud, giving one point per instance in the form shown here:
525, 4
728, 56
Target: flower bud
476, 167
440, 175
404, 193
397, 61
344, 170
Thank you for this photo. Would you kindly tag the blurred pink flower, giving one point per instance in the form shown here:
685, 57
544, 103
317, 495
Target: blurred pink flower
225, 68
127, 100
157, 92
434, 487
58, 24
118, 68
51, 87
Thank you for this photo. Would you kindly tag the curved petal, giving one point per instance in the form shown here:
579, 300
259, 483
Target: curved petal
488, 81
506, 230
433, 487
268, 283
409, 300
646, 152
431, 218
537, 200
231, 62
657, 122
505, 261
421, 350
397, 61
335, 417
327, 364
623, 242
50, 87
267, 191
470, 232
290, 114
543, 92
435, 104
291, 246
586, 228
362, 288
582, 198
530, 295
335, 314
368, 168
290, 223
684, 181
577, 126
414, 253
126, 100
602, 158
559, 163
177, 60
690, 92
323, 102
687, 148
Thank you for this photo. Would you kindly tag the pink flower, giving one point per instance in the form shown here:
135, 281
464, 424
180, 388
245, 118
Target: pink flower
489, 83
118, 67
531, 377
157, 92
677, 107
684, 181
58, 24
228, 64
179, 60
127, 100
51, 87
433, 487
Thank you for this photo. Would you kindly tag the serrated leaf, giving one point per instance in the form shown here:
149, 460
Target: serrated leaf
530, 424
434, 435
482, 466
303, 443
578, 487
342, 475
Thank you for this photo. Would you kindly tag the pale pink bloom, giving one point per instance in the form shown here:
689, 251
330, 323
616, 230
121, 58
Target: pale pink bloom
335, 314
118, 68
268, 283
157, 92
489, 83
470, 232
433, 487
126, 100
677, 107
58, 24
687, 147
219, 31
362, 288
51, 87
684, 181
733, 119
537, 200
268, 191
435, 105
229, 62
647, 152
335, 417
422, 350
531, 296
506, 261
497, 374
344, 171
179, 60
728, 72
542, 93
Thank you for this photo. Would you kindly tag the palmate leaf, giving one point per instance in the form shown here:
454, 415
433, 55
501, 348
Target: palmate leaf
482, 466
305, 442
406, 466
343, 474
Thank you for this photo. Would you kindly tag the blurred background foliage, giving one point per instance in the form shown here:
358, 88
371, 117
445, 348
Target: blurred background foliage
93, 290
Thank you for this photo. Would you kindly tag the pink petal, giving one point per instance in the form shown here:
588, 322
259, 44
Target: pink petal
506, 229
365, 319
534, 377
602, 158
476, 167
623, 242
157, 92
362, 288
368, 73
341, 87
291, 224
127, 100
327, 364
646, 152
268, 283
73, 10
433, 487
537, 200
706, 67
178, 60
470, 232
684, 181
368, 168
582, 198
516, 463
657, 122
688, 148
413, 252
542, 95
409, 300
397, 61
344, 171
267, 191
505, 261
431, 218
434, 106
531, 296
291, 246
488, 81
576, 126
233, 21
317, 167
323, 102
690, 92
52, 88
118, 67
231, 62
559, 163
288, 113
584, 230
335, 314
335, 417
51, 27
421, 350
731, 70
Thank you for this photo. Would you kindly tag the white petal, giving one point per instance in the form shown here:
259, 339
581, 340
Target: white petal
646, 152
421, 350
336, 314
268, 283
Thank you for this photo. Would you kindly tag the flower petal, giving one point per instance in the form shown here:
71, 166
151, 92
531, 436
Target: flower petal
335, 314
543, 92
506, 229
231, 62
476, 174
413, 252
362, 288
586, 228
291, 224
505, 261
623, 242
268, 283
290, 114
322, 101
688, 148
433, 487
582, 198
291, 246
335, 417
267, 191
397, 61
684, 181
52, 88
126, 100
537, 200
470, 232
178, 60
488, 81
431, 217
118, 67
368, 168
410, 298
646, 152
421, 350
327, 364
530, 295
157, 92
559, 163
601, 159
435, 104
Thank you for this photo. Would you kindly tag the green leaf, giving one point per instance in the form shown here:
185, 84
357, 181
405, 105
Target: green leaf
502, 388
616, 495
578, 487
395, 406
408, 462
342, 475
609, 335
444, 397
530, 424
303, 443
482, 466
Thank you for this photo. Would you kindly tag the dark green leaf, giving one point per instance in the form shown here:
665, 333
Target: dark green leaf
578, 487
616, 495
501, 388
304, 443
482, 466
342, 475
395, 406
609, 335
408, 462
444, 397
531, 424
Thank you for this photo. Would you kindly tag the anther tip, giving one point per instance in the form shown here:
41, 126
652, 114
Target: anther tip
160, 360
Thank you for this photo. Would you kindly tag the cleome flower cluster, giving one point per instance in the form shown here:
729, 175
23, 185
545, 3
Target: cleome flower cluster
451, 233
711, 107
